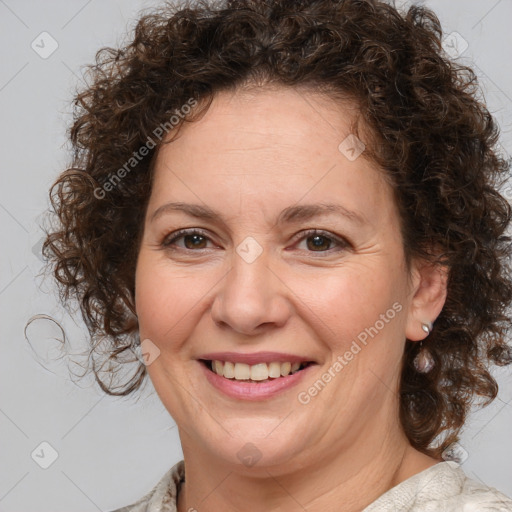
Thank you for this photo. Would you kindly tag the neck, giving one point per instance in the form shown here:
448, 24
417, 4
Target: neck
356, 474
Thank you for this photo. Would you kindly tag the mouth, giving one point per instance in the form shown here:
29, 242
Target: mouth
258, 373
255, 376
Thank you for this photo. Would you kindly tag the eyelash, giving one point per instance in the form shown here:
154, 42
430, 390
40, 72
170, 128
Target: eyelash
173, 237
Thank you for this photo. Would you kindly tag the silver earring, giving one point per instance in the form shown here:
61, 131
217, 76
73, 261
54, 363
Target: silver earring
427, 327
424, 362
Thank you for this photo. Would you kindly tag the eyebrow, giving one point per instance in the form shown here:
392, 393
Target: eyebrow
290, 215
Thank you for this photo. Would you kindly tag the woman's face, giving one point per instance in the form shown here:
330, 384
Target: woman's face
250, 279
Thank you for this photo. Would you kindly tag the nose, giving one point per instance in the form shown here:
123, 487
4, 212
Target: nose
251, 298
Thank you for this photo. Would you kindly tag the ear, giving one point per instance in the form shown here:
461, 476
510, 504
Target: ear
429, 289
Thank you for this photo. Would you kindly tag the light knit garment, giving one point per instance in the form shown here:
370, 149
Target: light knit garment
443, 487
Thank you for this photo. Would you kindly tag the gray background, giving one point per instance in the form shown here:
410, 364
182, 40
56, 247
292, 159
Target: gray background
112, 451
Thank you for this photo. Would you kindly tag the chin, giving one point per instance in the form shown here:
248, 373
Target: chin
254, 449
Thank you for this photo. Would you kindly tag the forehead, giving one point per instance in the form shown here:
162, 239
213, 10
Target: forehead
281, 144
274, 119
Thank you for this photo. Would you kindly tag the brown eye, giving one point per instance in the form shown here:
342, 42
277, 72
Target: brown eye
319, 242
323, 241
196, 241
192, 239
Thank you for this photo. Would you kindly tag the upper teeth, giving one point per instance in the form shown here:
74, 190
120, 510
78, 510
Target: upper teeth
260, 371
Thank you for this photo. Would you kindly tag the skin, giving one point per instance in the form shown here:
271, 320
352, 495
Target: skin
253, 154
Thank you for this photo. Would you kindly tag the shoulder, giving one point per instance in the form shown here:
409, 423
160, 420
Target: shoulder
162, 498
475, 496
443, 487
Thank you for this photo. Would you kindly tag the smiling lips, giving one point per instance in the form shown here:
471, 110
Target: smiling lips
255, 372
254, 390
258, 367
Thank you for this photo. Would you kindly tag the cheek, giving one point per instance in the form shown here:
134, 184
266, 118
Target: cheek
150, 296
167, 299
347, 300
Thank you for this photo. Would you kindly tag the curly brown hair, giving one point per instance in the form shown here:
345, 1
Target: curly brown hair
431, 134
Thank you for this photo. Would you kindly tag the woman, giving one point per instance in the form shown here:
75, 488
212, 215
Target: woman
291, 211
